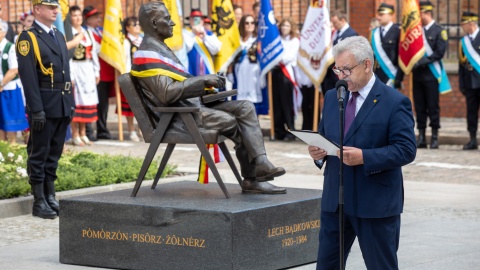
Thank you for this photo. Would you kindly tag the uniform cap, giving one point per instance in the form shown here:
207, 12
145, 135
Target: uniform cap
426, 6
468, 17
45, 2
385, 9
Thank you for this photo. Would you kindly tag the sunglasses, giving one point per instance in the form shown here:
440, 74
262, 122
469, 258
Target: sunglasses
134, 24
247, 23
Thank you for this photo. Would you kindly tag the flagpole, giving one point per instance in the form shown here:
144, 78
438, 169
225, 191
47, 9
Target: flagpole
270, 107
119, 107
315, 107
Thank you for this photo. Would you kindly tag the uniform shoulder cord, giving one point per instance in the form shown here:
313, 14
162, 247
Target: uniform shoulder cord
36, 51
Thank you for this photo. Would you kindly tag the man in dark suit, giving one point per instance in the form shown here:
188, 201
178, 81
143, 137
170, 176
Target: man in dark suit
342, 31
425, 84
469, 73
379, 140
45, 73
385, 41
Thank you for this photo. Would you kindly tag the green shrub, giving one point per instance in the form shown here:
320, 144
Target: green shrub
75, 170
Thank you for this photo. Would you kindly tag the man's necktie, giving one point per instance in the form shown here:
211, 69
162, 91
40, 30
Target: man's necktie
53, 36
471, 38
350, 111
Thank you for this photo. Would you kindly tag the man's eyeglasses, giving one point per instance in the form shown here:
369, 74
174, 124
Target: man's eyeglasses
247, 23
346, 72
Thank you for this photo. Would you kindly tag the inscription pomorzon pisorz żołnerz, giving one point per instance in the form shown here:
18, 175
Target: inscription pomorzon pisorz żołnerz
168, 239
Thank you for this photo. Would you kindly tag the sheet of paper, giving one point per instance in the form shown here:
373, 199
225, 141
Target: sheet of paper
315, 139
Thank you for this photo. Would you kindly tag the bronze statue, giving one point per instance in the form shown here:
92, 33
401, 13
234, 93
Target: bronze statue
165, 82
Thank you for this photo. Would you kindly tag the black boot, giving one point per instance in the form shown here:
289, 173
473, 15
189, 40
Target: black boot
50, 196
421, 142
434, 140
40, 206
472, 144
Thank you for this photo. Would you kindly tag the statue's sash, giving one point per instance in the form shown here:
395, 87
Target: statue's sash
437, 69
472, 55
151, 63
382, 58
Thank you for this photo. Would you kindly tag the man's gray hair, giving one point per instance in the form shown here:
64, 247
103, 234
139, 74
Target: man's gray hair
358, 46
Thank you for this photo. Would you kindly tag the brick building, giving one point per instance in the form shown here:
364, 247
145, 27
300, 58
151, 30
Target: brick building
447, 13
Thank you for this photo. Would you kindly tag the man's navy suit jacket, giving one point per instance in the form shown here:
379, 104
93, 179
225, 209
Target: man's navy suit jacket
384, 129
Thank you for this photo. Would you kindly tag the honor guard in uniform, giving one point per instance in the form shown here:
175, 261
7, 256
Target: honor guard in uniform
425, 84
469, 73
44, 70
385, 42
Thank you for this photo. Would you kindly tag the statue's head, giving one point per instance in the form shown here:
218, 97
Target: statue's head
155, 20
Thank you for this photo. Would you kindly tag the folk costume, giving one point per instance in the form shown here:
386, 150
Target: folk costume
12, 109
85, 68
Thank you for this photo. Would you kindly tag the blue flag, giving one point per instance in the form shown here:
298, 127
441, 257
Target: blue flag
269, 45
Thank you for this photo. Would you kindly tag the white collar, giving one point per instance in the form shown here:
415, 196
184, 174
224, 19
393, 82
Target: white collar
429, 25
366, 89
343, 29
474, 34
387, 27
44, 27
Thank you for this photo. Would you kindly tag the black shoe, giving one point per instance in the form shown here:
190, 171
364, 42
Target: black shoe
254, 187
471, 145
434, 140
421, 142
104, 136
40, 206
49, 189
92, 138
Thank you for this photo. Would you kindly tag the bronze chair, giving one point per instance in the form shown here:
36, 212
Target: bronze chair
156, 133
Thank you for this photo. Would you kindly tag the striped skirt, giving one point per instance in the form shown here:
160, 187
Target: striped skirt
85, 114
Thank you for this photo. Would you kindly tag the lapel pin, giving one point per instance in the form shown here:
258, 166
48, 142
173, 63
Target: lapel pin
374, 101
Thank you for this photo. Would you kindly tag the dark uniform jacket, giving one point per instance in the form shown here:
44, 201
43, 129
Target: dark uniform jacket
390, 43
469, 78
58, 101
437, 39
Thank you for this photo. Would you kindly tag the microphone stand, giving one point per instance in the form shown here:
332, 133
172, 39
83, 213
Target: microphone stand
340, 188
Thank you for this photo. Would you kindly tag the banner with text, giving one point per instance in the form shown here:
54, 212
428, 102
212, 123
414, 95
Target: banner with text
269, 46
411, 36
315, 54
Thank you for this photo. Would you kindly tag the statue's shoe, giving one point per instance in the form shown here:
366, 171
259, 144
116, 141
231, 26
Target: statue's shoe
266, 171
255, 187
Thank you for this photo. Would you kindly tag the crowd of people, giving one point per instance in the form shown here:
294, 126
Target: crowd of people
93, 78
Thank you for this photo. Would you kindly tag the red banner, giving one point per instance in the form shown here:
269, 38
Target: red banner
411, 37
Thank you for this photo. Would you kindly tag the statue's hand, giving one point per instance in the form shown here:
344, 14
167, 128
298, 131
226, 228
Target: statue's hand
211, 91
214, 80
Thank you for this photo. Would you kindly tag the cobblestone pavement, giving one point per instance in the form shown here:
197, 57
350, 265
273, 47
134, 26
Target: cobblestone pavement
442, 204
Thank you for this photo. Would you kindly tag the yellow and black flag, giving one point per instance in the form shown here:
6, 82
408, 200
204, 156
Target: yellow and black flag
226, 29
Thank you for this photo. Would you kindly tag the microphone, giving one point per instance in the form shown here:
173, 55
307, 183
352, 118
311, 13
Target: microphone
342, 87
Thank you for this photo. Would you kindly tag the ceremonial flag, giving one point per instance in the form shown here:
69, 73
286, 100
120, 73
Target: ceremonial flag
315, 54
203, 168
176, 42
269, 43
411, 47
225, 27
111, 48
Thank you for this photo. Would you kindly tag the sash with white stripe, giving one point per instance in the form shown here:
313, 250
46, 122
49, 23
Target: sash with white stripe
437, 69
382, 58
472, 55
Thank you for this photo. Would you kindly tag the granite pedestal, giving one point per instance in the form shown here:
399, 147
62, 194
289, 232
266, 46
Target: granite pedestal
186, 225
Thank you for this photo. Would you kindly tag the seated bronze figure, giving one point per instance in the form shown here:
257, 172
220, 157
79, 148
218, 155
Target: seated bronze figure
163, 82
